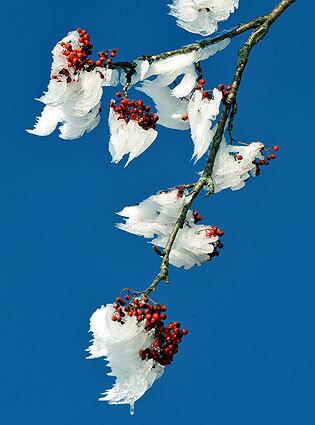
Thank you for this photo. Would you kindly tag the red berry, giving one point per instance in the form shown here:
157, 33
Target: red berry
276, 148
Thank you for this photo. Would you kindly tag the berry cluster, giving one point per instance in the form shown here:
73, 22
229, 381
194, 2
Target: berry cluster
263, 162
180, 191
225, 92
166, 338
196, 217
134, 110
78, 58
213, 232
106, 56
206, 93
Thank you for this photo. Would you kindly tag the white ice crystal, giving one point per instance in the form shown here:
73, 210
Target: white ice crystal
156, 216
120, 345
201, 113
192, 245
75, 101
153, 215
128, 138
202, 16
171, 103
170, 67
187, 84
175, 65
169, 108
228, 171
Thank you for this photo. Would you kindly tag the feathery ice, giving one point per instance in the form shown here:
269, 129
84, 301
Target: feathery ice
202, 16
202, 110
132, 128
131, 335
155, 218
75, 89
234, 164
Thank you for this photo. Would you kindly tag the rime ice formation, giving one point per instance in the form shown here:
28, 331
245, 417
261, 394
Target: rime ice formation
120, 345
128, 138
201, 113
170, 67
202, 16
169, 108
73, 98
156, 216
230, 172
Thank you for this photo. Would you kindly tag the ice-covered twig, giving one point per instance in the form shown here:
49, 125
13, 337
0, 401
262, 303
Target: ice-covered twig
261, 26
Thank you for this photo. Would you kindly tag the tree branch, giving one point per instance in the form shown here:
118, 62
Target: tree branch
261, 27
240, 29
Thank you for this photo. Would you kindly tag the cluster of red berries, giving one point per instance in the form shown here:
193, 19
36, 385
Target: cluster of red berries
134, 110
166, 338
213, 232
78, 58
206, 93
262, 162
106, 56
180, 191
225, 92
196, 217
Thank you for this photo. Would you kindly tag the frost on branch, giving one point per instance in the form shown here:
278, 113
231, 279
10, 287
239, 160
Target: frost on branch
202, 16
120, 344
202, 111
155, 218
169, 108
235, 164
132, 129
75, 89
170, 67
136, 344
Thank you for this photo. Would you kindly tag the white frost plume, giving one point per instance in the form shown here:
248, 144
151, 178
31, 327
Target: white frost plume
202, 16
170, 67
234, 165
187, 84
120, 345
201, 113
72, 99
192, 246
128, 138
169, 108
153, 215
156, 216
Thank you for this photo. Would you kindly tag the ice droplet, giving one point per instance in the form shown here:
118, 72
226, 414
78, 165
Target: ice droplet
132, 408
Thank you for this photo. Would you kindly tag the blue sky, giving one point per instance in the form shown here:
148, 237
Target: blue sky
249, 356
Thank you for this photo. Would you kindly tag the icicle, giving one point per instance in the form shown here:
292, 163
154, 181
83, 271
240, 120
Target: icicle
132, 409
